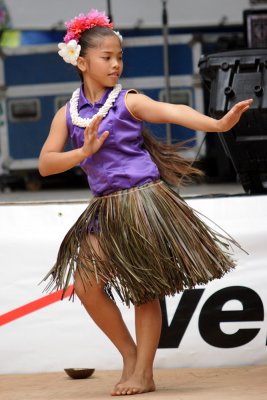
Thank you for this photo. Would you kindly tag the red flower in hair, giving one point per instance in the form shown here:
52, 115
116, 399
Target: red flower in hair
79, 24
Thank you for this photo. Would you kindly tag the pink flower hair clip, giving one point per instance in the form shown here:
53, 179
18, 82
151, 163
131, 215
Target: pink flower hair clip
70, 49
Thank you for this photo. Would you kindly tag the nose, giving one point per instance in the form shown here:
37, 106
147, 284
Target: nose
116, 64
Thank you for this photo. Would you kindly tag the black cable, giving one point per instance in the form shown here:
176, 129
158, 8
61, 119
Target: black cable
198, 152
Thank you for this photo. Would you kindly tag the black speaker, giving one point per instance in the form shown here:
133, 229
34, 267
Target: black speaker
233, 76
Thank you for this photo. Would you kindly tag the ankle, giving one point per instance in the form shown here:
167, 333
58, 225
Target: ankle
130, 354
143, 373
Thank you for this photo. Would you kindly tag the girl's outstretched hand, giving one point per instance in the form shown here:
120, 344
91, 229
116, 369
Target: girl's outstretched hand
92, 142
233, 116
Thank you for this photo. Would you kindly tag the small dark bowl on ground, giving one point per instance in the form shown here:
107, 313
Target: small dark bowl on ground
79, 373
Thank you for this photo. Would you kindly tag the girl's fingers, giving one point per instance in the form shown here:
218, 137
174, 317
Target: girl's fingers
241, 107
91, 133
103, 137
244, 109
93, 127
244, 103
96, 121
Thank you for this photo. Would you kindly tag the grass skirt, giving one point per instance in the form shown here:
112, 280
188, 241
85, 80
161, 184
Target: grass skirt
151, 243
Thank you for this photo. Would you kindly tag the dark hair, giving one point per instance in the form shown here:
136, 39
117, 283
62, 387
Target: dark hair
173, 169
90, 39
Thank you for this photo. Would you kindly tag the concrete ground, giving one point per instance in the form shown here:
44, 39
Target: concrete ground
242, 383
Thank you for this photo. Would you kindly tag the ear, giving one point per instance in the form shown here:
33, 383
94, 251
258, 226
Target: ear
81, 64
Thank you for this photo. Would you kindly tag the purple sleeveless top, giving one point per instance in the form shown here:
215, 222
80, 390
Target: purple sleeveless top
122, 162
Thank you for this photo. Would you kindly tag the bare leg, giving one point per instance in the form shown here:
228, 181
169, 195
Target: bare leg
108, 317
148, 327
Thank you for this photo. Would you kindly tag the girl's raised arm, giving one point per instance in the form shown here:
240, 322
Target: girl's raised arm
144, 108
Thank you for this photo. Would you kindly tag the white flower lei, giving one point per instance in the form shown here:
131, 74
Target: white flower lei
84, 122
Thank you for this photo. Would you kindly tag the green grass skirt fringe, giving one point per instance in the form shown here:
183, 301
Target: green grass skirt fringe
152, 244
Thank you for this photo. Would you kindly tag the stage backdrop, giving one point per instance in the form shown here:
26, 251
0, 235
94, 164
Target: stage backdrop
220, 324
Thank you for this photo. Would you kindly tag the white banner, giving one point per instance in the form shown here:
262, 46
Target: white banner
220, 324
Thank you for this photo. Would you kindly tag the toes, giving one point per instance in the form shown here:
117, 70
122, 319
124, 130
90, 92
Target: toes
132, 391
120, 390
124, 391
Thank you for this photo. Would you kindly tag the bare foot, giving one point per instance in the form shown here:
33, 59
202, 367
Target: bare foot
134, 385
128, 370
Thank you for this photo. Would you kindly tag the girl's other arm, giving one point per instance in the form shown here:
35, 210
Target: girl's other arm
153, 111
53, 159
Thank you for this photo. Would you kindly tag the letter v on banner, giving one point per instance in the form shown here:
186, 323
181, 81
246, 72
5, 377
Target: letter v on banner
171, 335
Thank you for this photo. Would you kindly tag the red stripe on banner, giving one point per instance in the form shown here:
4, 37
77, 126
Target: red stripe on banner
34, 306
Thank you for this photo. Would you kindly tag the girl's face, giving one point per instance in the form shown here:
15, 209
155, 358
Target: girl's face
102, 65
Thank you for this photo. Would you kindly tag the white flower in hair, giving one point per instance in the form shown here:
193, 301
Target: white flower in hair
119, 35
69, 51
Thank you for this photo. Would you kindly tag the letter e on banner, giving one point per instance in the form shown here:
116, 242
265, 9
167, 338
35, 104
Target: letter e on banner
212, 315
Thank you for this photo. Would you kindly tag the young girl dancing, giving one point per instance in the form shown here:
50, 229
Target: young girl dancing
137, 236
